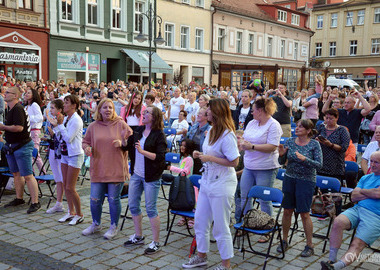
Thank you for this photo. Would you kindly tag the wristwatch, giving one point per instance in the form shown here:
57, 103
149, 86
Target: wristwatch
253, 147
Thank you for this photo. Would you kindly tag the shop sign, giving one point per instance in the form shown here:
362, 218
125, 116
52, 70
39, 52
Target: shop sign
19, 57
340, 70
71, 60
93, 62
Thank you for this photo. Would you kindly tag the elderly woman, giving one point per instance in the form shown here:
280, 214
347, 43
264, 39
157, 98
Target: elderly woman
105, 142
304, 157
334, 140
203, 102
261, 139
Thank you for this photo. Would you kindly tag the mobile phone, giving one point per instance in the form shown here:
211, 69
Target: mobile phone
321, 137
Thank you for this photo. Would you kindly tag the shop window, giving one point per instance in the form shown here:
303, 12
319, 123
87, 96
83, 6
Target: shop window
26, 4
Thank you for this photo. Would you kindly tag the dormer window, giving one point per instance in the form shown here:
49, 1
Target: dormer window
281, 16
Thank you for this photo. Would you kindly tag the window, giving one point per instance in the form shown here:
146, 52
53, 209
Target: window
185, 37
281, 15
186, 1
333, 48
282, 48
270, 40
139, 18
221, 39
295, 19
319, 21
1, 2
169, 35
361, 14
199, 39
116, 14
377, 15
349, 18
334, 20
295, 55
27, 4
250, 43
67, 10
239, 39
353, 47
318, 49
92, 12
200, 3
375, 49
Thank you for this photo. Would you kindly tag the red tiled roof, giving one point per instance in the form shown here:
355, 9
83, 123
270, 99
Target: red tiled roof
244, 7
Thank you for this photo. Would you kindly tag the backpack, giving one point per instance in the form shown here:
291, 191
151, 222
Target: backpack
181, 194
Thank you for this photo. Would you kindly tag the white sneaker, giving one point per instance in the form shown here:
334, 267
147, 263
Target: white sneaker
93, 228
76, 220
55, 208
111, 233
65, 218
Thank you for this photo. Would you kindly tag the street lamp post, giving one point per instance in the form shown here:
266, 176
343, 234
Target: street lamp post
151, 15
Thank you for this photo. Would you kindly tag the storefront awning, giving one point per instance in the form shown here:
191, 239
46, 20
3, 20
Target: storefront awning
142, 59
369, 71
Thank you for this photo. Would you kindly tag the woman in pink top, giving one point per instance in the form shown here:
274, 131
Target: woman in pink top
311, 107
105, 141
132, 112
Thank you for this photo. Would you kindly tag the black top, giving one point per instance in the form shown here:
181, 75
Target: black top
155, 143
352, 121
236, 116
282, 115
17, 116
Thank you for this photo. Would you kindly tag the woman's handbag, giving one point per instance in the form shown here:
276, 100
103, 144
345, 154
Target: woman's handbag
258, 220
297, 115
324, 204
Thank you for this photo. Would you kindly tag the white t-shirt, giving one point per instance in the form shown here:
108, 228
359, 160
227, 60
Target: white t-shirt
233, 103
178, 126
191, 109
243, 115
132, 119
139, 161
270, 133
175, 106
371, 147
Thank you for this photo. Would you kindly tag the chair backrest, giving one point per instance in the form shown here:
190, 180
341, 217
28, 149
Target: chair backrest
172, 157
195, 179
329, 183
266, 193
293, 125
35, 153
166, 123
283, 140
84, 131
361, 148
319, 122
170, 131
169, 144
351, 166
281, 174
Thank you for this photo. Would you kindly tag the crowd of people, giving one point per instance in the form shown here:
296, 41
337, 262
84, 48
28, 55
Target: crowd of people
232, 138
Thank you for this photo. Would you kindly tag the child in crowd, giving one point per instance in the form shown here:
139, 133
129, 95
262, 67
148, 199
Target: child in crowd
319, 83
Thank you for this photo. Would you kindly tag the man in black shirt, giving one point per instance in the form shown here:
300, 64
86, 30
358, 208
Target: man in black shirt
19, 148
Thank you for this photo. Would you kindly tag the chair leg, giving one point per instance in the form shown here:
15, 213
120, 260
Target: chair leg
295, 227
327, 237
124, 218
167, 219
169, 230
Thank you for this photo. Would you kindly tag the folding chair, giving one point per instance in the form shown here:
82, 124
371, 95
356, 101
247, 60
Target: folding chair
283, 140
171, 131
265, 194
324, 183
351, 170
125, 196
85, 168
166, 123
293, 131
280, 176
186, 214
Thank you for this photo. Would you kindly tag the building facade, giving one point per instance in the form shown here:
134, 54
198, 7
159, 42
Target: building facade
186, 28
95, 40
252, 35
347, 38
24, 39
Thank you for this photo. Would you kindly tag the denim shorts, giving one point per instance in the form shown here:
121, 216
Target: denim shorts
21, 160
137, 186
74, 161
298, 194
366, 223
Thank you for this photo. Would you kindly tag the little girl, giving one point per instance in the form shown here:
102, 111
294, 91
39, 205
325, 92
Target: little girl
56, 108
319, 83
186, 166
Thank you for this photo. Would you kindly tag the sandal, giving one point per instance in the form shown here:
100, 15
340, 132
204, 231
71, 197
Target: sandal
264, 239
181, 222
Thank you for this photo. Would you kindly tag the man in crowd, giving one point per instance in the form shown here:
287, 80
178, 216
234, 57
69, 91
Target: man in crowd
19, 149
348, 115
243, 113
177, 104
191, 107
365, 217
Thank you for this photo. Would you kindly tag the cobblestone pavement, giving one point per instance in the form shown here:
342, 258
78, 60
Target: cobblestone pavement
38, 241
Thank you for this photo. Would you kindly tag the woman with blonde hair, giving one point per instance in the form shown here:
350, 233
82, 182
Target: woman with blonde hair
260, 142
106, 142
218, 184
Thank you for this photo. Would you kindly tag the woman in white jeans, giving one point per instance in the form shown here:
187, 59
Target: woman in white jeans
218, 184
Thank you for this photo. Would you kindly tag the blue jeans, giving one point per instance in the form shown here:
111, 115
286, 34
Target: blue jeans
98, 190
137, 186
238, 203
251, 178
21, 160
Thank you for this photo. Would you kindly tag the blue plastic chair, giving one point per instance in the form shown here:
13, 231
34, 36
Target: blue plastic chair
350, 167
361, 148
186, 214
293, 131
283, 140
281, 174
265, 194
171, 131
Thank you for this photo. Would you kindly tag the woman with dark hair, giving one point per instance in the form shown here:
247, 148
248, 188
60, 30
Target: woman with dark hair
147, 154
72, 155
334, 140
132, 112
304, 157
218, 184
33, 107
260, 141
106, 142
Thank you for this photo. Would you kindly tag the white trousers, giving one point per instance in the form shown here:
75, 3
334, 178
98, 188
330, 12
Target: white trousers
217, 209
55, 165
